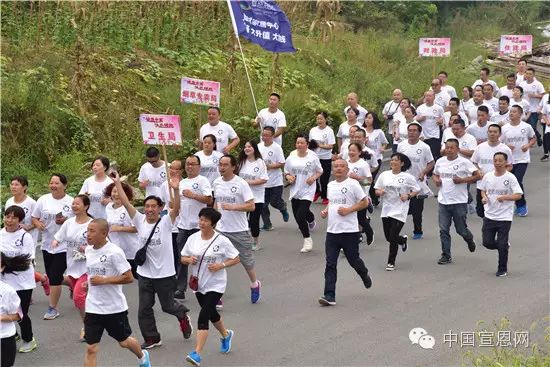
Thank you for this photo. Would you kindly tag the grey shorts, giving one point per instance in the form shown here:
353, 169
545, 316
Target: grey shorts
243, 243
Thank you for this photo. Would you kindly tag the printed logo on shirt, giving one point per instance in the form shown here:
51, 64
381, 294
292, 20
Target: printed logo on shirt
103, 258
233, 189
195, 185
523, 131
270, 153
122, 215
220, 132
163, 174
85, 235
355, 169
26, 210
215, 160
401, 180
216, 248
419, 151
344, 190
506, 182
19, 242
463, 144
308, 163
157, 230
66, 208
455, 167
256, 169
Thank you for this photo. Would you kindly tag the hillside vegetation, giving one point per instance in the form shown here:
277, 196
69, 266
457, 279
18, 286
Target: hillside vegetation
76, 75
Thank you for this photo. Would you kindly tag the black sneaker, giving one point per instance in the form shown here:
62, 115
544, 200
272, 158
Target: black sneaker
367, 281
444, 260
151, 343
539, 142
404, 245
179, 294
327, 301
471, 246
421, 196
545, 158
501, 274
370, 238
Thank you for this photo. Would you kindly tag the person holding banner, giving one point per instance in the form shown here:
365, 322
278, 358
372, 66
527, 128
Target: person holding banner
153, 173
253, 170
272, 116
226, 137
209, 158
156, 274
234, 199
534, 90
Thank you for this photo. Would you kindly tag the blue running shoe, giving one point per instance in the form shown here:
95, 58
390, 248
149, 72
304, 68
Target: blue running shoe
417, 236
194, 358
522, 211
145, 361
285, 214
225, 343
255, 293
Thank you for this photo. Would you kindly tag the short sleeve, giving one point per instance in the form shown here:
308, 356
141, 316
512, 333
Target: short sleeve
230, 252
318, 166
142, 176
514, 185
475, 156
412, 183
380, 181
13, 304
483, 183
28, 245
436, 168
247, 192
263, 171
206, 187
280, 155
358, 191
470, 166
84, 189
231, 132
331, 139
37, 211
530, 132
340, 133
282, 121
120, 263
137, 220
383, 139
186, 250
61, 234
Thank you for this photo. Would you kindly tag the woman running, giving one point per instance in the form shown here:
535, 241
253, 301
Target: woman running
95, 185
210, 158
376, 140
253, 170
324, 137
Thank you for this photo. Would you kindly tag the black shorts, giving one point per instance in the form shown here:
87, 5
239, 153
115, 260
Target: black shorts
55, 265
116, 324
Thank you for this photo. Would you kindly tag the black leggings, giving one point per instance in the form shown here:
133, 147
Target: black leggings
364, 222
208, 311
55, 265
392, 227
375, 199
8, 350
302, 215
254, 219
322, 182
546, 139
25, 323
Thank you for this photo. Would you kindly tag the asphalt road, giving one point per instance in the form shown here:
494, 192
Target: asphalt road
366, 327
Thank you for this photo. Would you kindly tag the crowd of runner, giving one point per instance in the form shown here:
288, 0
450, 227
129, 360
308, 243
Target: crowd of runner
206, 212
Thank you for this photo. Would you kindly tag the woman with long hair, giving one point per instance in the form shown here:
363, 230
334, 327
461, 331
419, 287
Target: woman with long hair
210, 158
324, 136
72, 236
94, 187
376, 140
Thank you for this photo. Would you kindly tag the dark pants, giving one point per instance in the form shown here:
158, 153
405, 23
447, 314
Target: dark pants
392, 227
375, 199
533, 121
364, 222
333, 243
273, 196
457, 214
164, 288
435, 148
519, 170
416, 208
134, 266
177, 255
208, 311
495, 237
8, 350
254, 220
322, 182
181, 270
546, 140
25, 323
302, 215
479, 204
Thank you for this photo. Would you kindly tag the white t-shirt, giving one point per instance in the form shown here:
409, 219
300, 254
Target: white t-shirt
463, 116
222, 131
272, 154
393, 186
546, 111
465, 105
128, 242
234, 191
109, 260
504, 91
543, 101
402, 126
210, 165
375, 140
9, 305
73, 237
14, 244
471, 111
362, 113
430, 128
450, 90
478, 132
391, 108
493, 103
483, 157
189, 208
160, 254
95, 189
46, 209
275, 120
492, 82
343, 194
156, 177
534, 87
419, 154
373, 162
449, 192
302, 168
520, 78
323, 136
495, 186
28, 206
254, 171
466, 141
343, 133
500, 118
165, 197
518, 136
442, 98
361, 168
523, 104
220, 250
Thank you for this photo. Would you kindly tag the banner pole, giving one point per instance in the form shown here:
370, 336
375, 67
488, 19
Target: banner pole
242, 54
163, 147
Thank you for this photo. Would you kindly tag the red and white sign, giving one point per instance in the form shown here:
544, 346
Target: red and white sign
515, 45
434, 47
202, 92
160, 129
